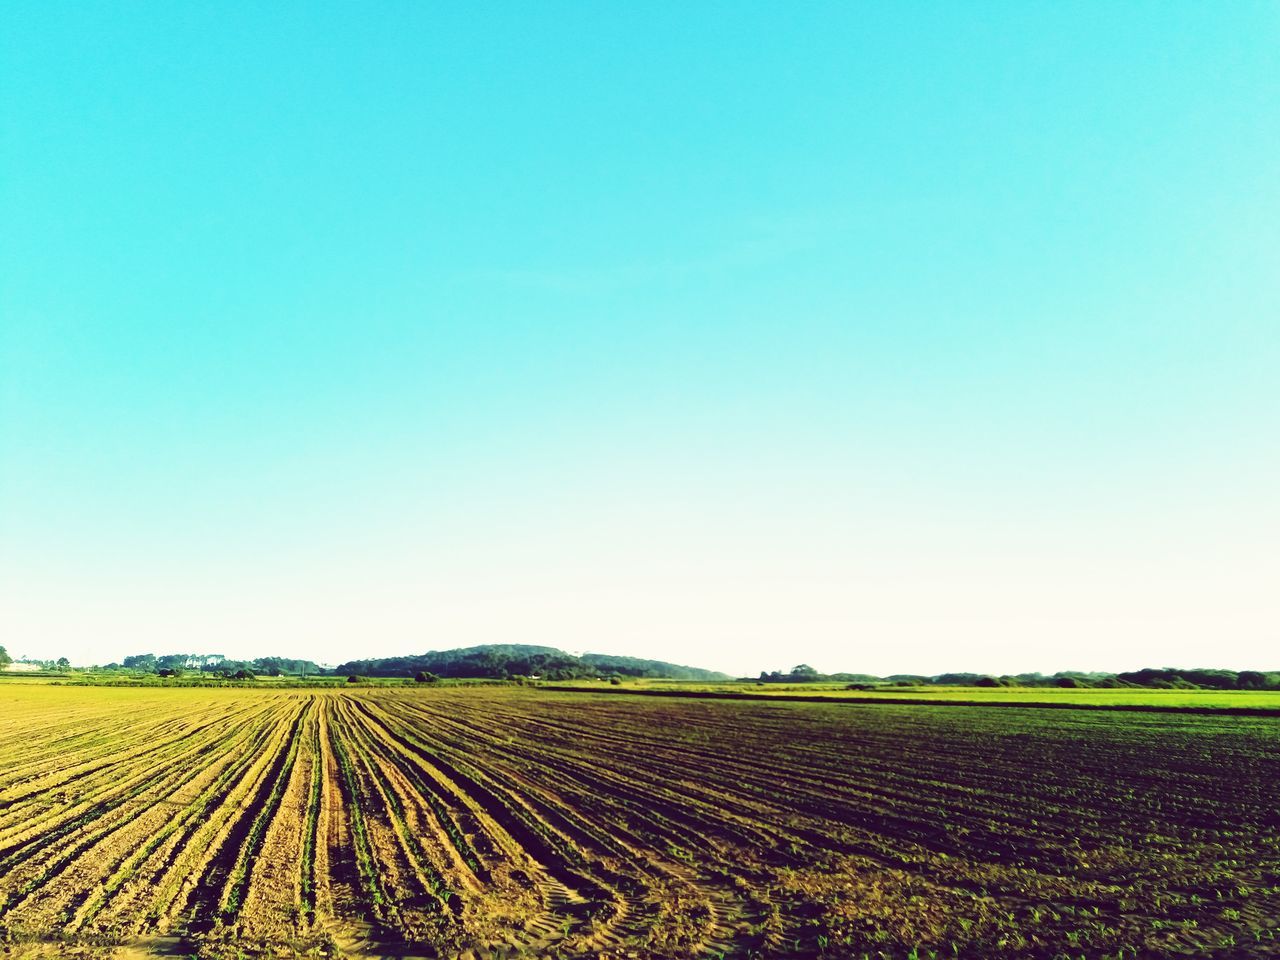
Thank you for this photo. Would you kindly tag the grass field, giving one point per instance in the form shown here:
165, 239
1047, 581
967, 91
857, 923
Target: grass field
495, 822
1100, 697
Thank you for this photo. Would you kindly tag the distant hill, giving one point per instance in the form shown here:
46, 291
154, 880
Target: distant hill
501, 660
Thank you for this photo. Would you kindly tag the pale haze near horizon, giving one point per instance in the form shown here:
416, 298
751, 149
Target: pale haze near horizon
897, 339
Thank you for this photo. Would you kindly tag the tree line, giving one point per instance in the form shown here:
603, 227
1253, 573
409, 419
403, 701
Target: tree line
215, 664
511, 661
1167, 678
61, 663
489, 661
507, 661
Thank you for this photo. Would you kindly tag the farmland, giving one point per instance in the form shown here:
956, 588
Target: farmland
497, 822
1257, 701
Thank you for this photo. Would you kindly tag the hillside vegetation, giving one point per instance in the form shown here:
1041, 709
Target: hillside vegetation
507, 661
502, 661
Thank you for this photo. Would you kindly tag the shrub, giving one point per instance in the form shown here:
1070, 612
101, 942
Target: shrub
423, 676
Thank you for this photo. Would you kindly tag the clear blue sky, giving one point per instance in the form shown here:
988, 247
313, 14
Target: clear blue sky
879, 336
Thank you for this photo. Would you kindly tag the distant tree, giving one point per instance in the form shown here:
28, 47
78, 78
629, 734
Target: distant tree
280, 666
1170, 678
243, 674
141, 661
63, 663
986, 682
1251, 680
355, 679
424, 676
1067, 682
803, 672
5, 659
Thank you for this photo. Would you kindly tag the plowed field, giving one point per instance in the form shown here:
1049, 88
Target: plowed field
492, 822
